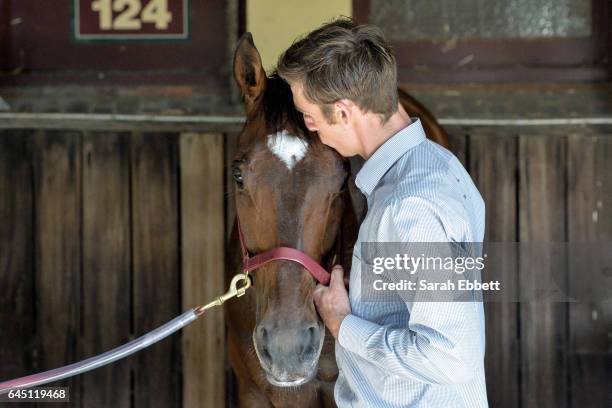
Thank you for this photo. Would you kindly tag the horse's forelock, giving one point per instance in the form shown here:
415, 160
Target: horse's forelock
280, 113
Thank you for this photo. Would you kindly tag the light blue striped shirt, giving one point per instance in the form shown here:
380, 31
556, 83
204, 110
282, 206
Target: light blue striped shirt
413, 354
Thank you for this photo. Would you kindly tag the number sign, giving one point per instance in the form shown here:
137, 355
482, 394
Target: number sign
131, 19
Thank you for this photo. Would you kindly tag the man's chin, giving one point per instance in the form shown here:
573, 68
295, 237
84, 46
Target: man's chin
342, 152
339, 150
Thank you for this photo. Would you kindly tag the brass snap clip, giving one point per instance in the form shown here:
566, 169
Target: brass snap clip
235, 290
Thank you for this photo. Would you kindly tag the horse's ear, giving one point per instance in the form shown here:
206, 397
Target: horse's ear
248, 70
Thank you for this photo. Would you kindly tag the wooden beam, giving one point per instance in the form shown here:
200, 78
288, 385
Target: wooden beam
120, 122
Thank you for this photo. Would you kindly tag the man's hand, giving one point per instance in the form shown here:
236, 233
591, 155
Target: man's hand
333, 302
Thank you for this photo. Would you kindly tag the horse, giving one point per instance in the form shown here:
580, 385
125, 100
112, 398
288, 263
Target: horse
290, 190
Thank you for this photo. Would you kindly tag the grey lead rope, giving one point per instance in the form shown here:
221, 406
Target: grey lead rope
100, 360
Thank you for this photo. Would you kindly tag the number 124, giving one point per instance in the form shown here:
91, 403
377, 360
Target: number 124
130, 16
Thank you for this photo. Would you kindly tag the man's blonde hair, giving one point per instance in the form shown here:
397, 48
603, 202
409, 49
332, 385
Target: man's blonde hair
344, 60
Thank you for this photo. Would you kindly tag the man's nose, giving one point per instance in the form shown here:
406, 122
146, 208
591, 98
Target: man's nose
310, 125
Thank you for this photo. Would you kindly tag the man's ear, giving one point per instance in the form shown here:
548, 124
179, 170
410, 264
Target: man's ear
343, 110
248, 70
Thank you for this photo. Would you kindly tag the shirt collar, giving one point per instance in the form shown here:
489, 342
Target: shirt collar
387, 154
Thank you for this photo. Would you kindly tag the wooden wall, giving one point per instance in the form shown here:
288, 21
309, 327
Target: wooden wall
104, 236
544, 185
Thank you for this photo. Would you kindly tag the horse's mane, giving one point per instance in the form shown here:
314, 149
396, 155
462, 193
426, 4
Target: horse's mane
279, 111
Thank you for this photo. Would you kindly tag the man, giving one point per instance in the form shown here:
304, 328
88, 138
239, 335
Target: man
390, 354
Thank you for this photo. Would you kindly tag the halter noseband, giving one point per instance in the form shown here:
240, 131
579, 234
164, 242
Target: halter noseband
250, 263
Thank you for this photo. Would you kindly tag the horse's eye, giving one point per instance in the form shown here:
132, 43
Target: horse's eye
237, 174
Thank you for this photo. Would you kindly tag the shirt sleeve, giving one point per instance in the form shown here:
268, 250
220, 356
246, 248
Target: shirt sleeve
441, 343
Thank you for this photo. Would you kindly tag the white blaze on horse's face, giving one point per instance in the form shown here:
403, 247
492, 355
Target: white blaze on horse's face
290, 149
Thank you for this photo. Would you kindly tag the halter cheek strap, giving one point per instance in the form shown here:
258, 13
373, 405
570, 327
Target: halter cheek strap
281, 253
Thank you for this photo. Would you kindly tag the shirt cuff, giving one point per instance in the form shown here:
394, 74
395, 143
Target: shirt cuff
354, 334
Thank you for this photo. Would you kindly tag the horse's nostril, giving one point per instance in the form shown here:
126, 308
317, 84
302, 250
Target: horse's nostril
308, 346
309, 354
263, 345
263, 334
311, 332
266, 355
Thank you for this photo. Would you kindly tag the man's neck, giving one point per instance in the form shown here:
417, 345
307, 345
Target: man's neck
373, 134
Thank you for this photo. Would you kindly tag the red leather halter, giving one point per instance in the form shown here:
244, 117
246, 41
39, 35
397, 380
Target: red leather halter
281, 253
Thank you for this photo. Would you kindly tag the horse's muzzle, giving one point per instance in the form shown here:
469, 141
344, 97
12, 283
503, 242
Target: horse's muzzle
289, 355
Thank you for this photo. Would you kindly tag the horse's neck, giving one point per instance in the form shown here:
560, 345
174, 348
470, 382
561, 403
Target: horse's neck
358, 200
355, 209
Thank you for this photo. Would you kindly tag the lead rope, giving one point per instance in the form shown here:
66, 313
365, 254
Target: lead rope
236, 289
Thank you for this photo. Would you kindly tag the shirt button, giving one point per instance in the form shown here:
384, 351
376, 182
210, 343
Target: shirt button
464, 196
458, 179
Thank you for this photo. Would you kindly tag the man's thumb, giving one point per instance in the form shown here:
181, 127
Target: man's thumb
337, 275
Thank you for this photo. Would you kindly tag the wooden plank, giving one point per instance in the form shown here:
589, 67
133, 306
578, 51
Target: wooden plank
57, 187
16, 255
590, 220
156, 272
106, 265
203, 263
543, 322
492, 164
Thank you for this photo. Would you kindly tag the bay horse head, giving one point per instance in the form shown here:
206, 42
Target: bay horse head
289, 192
